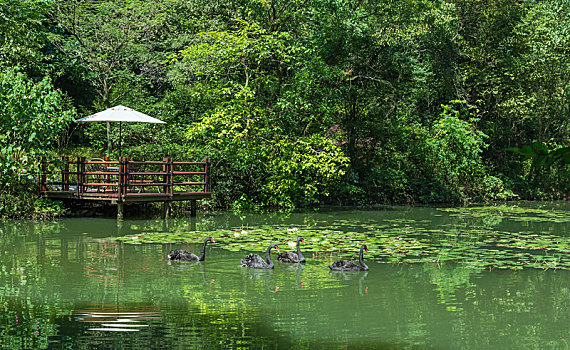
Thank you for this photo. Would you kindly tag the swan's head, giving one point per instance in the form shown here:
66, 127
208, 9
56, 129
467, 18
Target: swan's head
274, 246
170, 255
210, 239
300, 239
365, 247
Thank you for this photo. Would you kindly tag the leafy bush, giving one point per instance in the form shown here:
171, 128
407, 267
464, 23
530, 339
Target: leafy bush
33, 115
301, 170
23, 202
253, 165
456, 148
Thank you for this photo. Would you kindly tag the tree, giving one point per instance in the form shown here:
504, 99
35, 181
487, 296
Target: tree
22, 34
122, 46
33, 116
265, 151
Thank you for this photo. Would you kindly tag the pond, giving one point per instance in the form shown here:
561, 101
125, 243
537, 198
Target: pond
438, 278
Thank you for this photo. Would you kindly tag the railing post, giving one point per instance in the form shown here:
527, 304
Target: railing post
207, 185
82, 178
65, 174
107, 176
121, 183
171, 176
165, 176
128, 176
62, 174
77, 175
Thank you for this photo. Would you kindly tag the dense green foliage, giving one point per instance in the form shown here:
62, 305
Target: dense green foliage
33, 119
301, 103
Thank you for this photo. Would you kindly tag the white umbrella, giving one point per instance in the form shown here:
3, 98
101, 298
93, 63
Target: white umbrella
120, 114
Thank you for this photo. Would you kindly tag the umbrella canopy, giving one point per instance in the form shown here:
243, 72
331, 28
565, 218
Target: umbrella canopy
120, 114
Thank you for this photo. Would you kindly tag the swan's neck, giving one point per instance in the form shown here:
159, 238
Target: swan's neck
268, 257
299, 254
361, 259
203, 251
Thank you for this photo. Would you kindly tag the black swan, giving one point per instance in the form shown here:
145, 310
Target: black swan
344, 265
291, 257
255, 261
184, 255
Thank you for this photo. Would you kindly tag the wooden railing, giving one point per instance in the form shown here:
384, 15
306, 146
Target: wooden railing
122, 179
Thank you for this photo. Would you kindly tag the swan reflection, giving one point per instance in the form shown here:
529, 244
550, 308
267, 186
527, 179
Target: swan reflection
351, 276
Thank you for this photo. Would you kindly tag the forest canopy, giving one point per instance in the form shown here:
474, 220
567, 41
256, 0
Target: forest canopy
299, 103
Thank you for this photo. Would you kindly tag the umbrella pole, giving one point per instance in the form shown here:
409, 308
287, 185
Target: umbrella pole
108, 139
120, 137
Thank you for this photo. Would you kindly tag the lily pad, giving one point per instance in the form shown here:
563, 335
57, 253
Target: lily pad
393, 244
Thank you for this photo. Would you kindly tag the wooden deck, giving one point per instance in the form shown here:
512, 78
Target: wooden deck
125, 181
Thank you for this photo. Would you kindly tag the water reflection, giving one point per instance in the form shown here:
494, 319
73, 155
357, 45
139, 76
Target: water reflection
108, 319
63, 285
298, 281
352, 275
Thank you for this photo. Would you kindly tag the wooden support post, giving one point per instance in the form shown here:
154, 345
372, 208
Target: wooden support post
205, 174
209, 175
165, 177
170, 177
65, 174
77, 176
120, 211
81, 175
166, 210
126, 176
63, 171
107, 177
193, 208
121, 183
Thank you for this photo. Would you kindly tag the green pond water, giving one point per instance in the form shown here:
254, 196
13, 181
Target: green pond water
438, 278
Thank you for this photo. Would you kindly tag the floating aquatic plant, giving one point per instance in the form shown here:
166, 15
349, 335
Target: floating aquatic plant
396, 243
513, 213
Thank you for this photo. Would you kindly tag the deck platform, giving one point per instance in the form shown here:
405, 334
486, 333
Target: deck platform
125, 181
